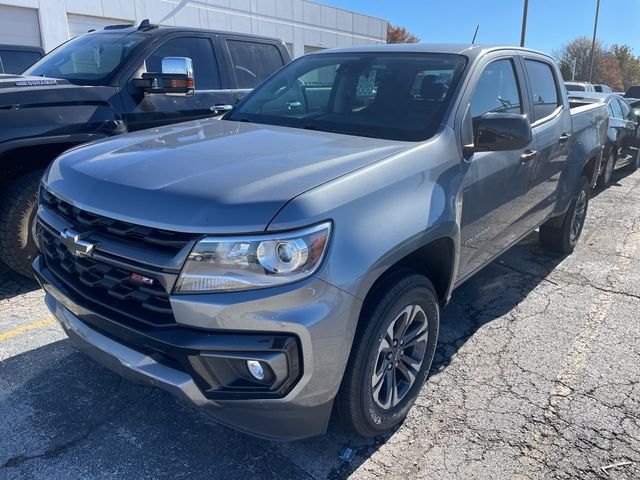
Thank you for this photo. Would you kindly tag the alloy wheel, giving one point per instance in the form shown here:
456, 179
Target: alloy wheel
579, 215
400, 357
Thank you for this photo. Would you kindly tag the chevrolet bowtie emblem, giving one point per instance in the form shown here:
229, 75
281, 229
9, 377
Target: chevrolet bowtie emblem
74, 243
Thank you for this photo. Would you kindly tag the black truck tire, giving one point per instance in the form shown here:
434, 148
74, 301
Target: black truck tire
563, 238
358, 405
635, 160
18, 210
604, 180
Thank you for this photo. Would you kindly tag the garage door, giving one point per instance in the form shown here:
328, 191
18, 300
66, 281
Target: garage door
19, 26
79, 24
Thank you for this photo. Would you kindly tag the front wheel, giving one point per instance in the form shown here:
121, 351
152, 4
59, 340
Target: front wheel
563, 238
17, 216
391, 356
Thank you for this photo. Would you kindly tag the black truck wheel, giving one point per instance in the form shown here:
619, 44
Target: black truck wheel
563, 238
391, 356
604, 180
635, 160
17, 215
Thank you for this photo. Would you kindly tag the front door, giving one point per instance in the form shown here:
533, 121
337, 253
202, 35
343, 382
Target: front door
152, 110
495, 183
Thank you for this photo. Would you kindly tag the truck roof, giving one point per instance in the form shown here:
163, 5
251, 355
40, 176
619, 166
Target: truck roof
151, 30
467, 49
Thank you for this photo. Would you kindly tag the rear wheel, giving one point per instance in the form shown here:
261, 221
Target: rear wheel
563, 238
607, 173
17, 217
391, 356
635, 160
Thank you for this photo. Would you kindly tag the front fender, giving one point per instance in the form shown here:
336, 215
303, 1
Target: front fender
383, 212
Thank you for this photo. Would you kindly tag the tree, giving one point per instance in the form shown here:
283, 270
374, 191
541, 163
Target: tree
629, 65
578, 52
398, 34
611, 73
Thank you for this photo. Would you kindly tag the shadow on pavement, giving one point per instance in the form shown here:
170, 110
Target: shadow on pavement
70, 418
12, 284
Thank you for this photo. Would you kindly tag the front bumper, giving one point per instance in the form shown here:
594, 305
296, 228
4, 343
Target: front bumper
319, 317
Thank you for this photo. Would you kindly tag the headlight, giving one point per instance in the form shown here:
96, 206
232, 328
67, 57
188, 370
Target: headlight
245, 263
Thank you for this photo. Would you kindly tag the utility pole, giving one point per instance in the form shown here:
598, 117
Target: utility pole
524, 22
593, 42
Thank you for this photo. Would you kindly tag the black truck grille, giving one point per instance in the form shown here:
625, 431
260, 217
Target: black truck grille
156, 239
101, 285
107, 282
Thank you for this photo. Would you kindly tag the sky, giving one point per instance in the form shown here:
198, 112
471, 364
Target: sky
551, 23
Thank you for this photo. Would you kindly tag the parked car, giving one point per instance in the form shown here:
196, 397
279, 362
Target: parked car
633, 92
116, 80
623, 137
294, 256
579, 87
634, 103
17, 58
603, 88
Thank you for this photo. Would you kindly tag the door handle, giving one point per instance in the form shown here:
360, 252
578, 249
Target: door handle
564, 137
528, 156
220, 108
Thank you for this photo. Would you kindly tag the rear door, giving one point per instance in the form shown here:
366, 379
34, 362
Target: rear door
250, 62
151, 110
552, 130
496, 184
628, 124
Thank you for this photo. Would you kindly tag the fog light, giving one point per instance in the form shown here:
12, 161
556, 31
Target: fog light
255, 369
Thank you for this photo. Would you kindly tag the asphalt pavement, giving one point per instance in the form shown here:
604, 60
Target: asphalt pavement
537, 375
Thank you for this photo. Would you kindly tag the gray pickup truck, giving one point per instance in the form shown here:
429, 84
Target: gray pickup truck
293, 256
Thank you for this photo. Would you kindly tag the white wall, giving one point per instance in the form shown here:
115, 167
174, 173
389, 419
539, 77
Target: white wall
301, 23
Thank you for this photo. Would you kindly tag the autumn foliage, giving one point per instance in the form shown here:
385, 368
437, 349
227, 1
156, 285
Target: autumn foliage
616, 66
398, 34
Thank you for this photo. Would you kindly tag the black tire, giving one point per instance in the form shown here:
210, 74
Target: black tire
604, 180
17, 214
635, 160
563, 238
355, 403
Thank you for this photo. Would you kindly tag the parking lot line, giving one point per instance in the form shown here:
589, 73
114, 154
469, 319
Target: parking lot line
25, 328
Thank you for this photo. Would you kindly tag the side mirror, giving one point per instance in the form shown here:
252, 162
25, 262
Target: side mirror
176, 78
495, 132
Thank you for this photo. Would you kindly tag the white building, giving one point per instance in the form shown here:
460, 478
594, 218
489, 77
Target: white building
303, 25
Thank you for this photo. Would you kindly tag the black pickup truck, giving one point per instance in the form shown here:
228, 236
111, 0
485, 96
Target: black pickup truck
108, 82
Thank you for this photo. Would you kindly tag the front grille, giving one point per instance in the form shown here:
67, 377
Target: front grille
153, 238
105, 288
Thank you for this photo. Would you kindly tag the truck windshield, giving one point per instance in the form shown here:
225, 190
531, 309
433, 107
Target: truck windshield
89, 59
390, 95
575, 88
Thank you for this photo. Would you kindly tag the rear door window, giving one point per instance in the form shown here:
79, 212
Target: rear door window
253, 62
544, 88
497, 90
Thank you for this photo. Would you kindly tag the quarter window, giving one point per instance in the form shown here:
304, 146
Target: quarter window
199, 50
253, 62
497, 90
544, 88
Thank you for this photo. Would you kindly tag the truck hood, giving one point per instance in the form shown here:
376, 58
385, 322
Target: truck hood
209, 176
36, 107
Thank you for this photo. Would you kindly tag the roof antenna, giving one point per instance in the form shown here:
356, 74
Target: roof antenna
475, 35
144, 24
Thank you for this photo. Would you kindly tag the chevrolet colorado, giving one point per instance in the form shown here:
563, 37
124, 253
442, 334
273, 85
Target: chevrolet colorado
120, 79
293, 256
